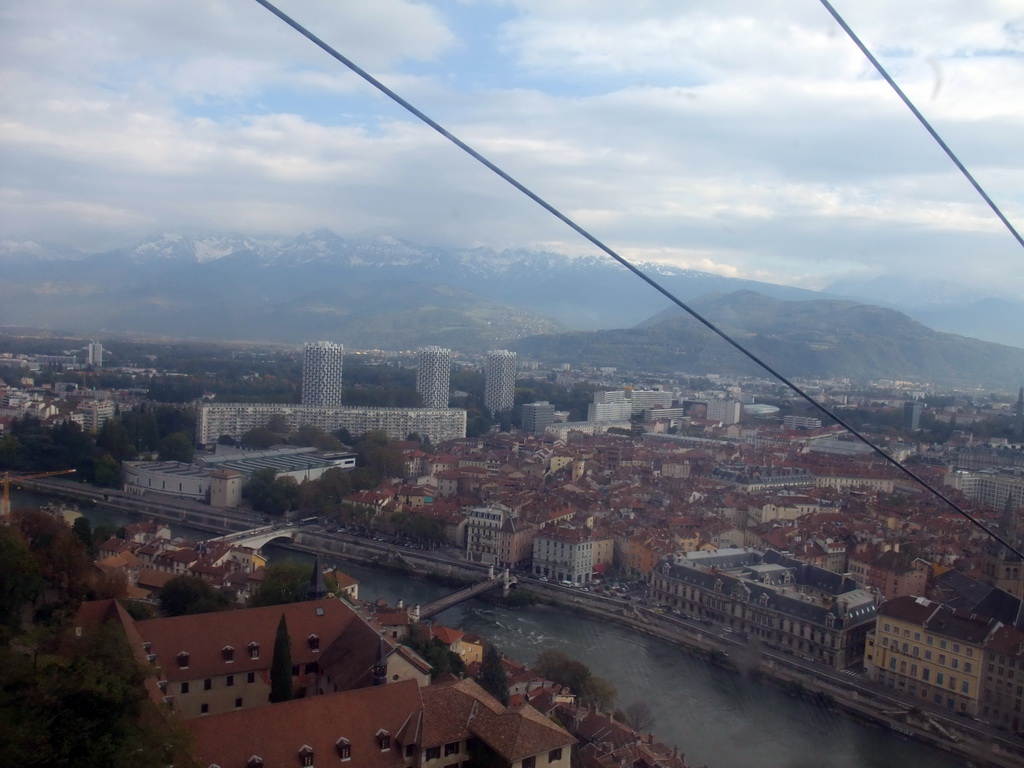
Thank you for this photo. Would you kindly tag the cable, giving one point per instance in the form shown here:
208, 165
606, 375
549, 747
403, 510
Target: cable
640, 274
921, 118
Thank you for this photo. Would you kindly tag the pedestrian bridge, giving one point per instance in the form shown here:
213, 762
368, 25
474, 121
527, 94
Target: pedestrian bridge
504, 580
257, 537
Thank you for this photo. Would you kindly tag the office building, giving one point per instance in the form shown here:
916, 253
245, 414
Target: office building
537, 417
321, 373
800, 422
433, 372
500, 380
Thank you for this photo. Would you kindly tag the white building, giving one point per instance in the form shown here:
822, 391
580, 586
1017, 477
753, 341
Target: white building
94, 354
235, 419
564, 555
433, 374
646, 399
500, 380
95, 414
609, 406
321, 373
725, 411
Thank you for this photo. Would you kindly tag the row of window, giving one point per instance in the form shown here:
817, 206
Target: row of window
229, 682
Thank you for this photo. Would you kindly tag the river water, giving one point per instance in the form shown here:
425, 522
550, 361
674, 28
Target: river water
716, 718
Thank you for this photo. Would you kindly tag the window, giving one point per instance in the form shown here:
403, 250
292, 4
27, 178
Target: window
314, 643
529, 762
938, 678
554, 755
306, 755
954, 662
207, 684
433, 753
183, 660
250, 677
229, 681
254, 762
254, 650
204, 709
451, 749
942, 644
965, 687
238, 703
926, 674
383, 740
967, 667
410, 750
227, 653
344, 748
184, 687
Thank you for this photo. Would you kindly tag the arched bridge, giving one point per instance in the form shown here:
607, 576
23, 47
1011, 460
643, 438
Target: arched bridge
504, 579
257, 537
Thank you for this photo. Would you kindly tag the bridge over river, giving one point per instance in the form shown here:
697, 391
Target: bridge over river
448, 601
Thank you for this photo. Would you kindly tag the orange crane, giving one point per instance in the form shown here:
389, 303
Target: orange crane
5, 505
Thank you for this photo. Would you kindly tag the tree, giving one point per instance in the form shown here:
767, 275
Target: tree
283, 582
639, 716
492, 675
259, 438
20, 579
560, 668
177, 446
599, 692
281, 666
188, 595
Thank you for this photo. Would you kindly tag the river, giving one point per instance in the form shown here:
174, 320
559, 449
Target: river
717, 718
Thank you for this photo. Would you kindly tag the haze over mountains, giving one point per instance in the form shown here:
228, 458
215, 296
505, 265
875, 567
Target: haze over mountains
391, 294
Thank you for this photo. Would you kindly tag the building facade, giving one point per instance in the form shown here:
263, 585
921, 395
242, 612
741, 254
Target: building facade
726, 411
930, 651
433, 375
809, 611
537, 417
500, 380
564, 555
321, 373
235, 419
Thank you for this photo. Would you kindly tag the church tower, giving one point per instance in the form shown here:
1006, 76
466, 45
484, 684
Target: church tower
1004, 568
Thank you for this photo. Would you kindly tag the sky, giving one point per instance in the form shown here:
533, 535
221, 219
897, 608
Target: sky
749, 139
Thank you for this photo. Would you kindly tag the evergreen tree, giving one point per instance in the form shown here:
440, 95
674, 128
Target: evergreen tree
281, 667
492, 675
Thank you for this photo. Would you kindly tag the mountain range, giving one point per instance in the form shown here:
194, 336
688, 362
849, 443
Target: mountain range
391, 294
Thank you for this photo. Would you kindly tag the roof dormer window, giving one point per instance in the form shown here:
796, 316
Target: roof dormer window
183, 660
306, 755
344, 747
254, 762
228, 653
383, 740
314, 643
254, 650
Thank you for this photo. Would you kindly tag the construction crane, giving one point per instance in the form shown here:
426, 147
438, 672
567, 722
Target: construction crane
5, 504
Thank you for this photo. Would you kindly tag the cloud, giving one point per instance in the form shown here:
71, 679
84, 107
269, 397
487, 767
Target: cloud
749, 140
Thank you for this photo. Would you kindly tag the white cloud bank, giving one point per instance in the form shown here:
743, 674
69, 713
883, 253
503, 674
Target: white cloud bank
748, 139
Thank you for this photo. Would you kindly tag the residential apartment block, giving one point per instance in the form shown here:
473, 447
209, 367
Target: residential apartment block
235, 419
500, 380
433, 375
321, 373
